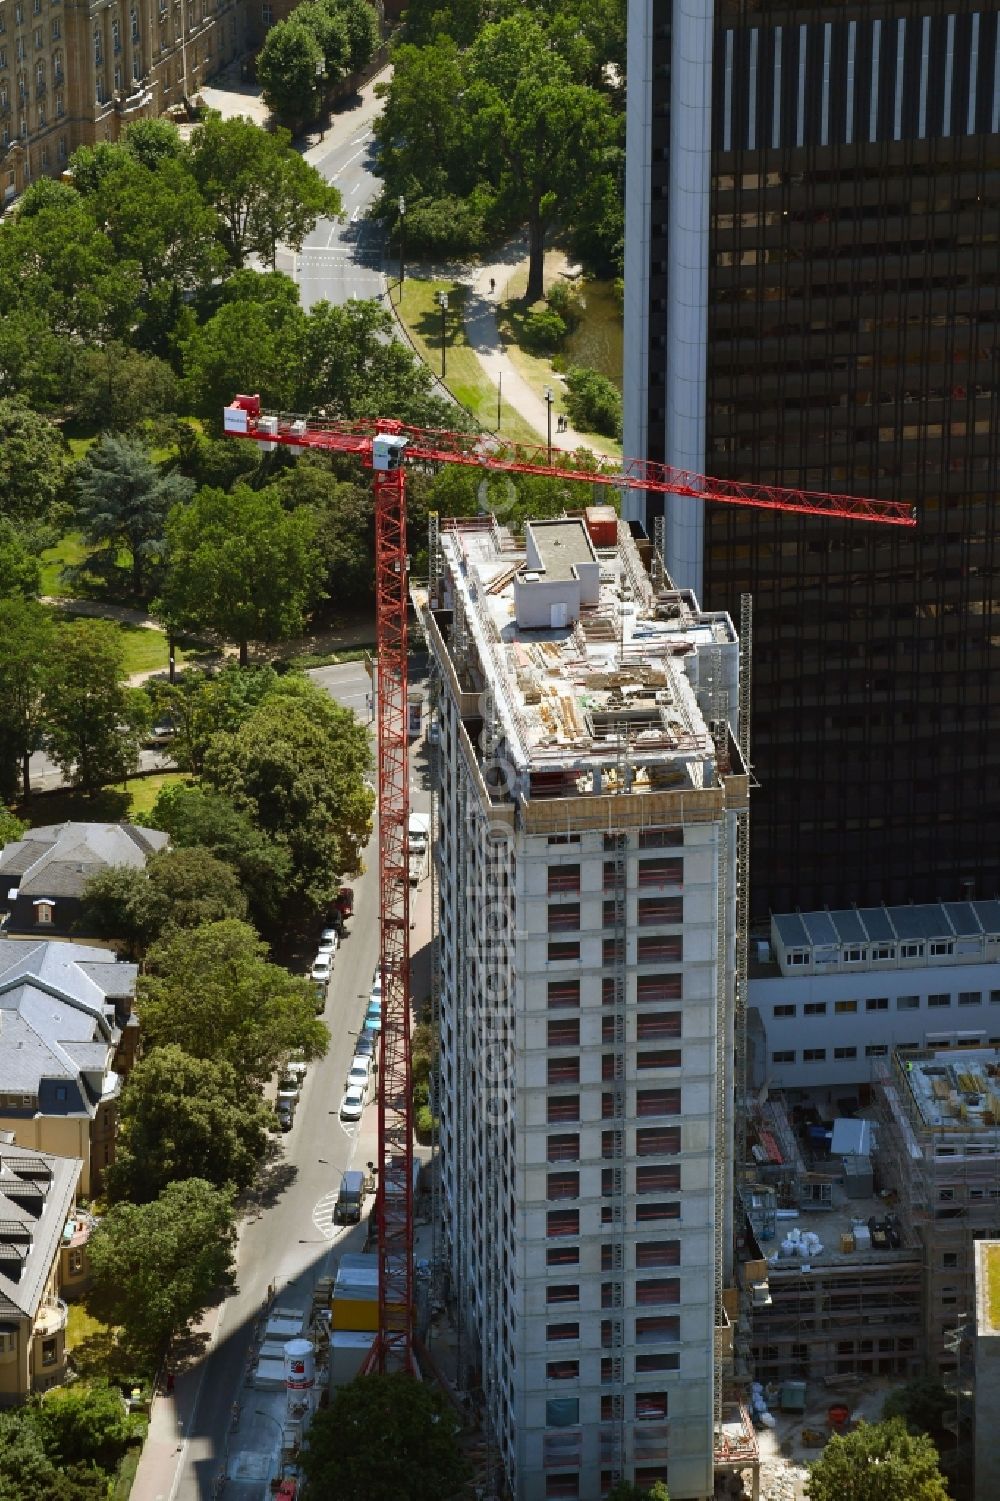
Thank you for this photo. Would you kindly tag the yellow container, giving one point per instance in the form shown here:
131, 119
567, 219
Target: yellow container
359, 1314
847, 1241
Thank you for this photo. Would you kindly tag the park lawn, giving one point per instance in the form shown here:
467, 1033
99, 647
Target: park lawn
144, 791
68, 552
536, 369
130, 801
80, 1324
466, 378
145, 646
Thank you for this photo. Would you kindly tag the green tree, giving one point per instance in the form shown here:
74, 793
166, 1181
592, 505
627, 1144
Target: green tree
156, 1266
922, 1404
34, 462
626, 1491
153, 141
212, 991
518, 87
33, 358
324, 20
11, 827
361, 24
20, 568
290, 70
262, 190
56, 262
877, 1462
353, 366
183, 1117
241, 566
593, 402
118, 387
194, 815
245, 346
345, 533
202, 705
183, 888
417, 1454
423, 131
27, 640
94, 723
298, 766
85, 1425
122, 502
157, 219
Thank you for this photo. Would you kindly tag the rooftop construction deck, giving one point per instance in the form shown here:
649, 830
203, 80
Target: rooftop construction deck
602, 680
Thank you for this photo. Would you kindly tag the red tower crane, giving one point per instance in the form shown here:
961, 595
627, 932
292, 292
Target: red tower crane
385, 447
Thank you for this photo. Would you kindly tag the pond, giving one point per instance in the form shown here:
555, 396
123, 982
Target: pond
598, 342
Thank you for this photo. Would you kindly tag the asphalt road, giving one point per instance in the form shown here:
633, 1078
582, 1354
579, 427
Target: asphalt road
288, 1239
343, 259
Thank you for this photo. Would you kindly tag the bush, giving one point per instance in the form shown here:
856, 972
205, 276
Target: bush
565, 300
423, 1124
443, 226
593, 402
543, 332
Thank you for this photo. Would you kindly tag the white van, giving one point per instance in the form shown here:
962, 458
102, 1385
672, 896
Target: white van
419, 833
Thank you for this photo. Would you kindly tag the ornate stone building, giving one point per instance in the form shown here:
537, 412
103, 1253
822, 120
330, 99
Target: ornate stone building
74, 72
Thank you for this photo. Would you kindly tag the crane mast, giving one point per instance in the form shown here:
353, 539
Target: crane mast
385, 446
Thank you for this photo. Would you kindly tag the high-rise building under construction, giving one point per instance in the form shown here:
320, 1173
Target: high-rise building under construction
590, 809
812, 298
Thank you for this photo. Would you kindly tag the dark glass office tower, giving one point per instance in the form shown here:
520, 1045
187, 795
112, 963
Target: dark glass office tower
812, 266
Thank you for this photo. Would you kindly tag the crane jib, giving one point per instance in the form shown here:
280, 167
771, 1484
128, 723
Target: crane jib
245, 418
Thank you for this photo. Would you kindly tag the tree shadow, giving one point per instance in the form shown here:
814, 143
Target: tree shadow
102, 1355
69, 804
275, 1177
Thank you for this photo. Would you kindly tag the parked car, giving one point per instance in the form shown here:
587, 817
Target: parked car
289, 1085
350, 1199
285, 1111
433, 731
353, 1104
328, 942
359, 1072
296, 1068
365, 1046
322, 968
376, 991
343, 902
373, 1022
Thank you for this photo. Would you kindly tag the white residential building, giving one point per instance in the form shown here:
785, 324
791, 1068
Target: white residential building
586, 844
838, 991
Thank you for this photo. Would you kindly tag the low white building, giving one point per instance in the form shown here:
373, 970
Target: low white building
837, 991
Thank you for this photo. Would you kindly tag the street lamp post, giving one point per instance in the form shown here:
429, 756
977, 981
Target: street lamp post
402, 220
442, 298
549, 398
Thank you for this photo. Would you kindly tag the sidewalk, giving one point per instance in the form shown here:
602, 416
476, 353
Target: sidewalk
484, 337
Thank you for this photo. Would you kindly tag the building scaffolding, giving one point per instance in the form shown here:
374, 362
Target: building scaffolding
939, 1155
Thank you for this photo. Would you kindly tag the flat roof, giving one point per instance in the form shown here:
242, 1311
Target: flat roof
563, 544
832, 1225
607, 697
